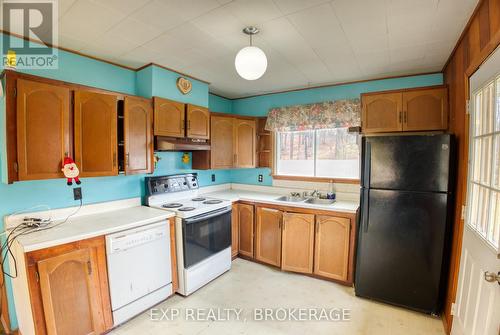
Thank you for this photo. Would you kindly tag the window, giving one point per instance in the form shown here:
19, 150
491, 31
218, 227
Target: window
330, 153
484, 163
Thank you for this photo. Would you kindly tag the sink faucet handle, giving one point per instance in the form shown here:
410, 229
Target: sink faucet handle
295, 194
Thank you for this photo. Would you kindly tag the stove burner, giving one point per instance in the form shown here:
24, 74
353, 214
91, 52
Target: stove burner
172, 205
186, 209
212, 202
198, 199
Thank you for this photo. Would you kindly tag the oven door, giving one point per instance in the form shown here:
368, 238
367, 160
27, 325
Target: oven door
205, 235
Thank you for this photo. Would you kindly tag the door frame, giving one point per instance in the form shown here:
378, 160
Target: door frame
459, 224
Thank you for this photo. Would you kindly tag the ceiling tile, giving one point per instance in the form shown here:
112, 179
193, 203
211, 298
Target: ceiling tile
134, 31
292, 6
63, 6
254, 12
157, 14
125, 6
317, 22
86, 19
219, 22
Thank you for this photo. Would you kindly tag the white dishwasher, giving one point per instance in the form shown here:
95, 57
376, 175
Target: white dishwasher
139, 269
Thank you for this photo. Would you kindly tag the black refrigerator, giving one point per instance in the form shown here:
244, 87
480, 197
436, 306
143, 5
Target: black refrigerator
405, 218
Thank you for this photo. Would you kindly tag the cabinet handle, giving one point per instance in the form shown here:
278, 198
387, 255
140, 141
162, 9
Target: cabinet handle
405, 113
89, 267
128, 159
189, 124
114, 159
400, 117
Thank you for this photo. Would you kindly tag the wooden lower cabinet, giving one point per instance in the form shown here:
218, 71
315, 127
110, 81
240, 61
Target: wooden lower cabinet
331, 250
68, 287
246, 230
234, 231
303, 240
297, 246
268, 235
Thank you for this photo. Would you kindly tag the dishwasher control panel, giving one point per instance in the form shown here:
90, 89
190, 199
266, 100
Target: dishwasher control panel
133, 238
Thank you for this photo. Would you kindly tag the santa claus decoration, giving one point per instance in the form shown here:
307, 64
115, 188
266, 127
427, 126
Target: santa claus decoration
71, 171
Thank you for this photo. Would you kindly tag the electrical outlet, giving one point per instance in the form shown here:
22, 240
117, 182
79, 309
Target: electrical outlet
77, 193
213, 177
261, 178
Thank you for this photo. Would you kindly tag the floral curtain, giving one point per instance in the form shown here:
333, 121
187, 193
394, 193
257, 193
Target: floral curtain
329, 114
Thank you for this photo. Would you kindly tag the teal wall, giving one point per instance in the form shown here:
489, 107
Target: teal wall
149, 82
219, 104
260, 105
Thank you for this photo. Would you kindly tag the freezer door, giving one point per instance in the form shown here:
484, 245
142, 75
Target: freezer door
400, 248
412, 163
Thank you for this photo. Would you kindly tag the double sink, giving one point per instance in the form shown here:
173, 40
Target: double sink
307, 200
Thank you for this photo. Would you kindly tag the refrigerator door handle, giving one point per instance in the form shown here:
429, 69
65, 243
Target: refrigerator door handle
367, 165
365, 210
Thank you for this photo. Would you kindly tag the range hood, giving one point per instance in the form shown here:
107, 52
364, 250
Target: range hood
163, 143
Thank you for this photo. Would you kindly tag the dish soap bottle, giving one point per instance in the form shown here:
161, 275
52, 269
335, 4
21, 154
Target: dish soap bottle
330, 194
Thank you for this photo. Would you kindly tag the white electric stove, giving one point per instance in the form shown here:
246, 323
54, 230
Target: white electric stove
203, 228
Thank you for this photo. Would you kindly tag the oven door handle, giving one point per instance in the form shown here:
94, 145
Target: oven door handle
207, 216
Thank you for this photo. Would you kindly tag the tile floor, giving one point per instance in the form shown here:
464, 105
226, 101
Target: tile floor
249, 285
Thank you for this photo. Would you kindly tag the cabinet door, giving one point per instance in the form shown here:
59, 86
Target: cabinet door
198, 122
268, 235
169, 117
297, 242
244, 143
245, 222
95, 134
138, 135
425, 109
234, 231
331, 255
221, 152
69, 286
382, 112
43, 129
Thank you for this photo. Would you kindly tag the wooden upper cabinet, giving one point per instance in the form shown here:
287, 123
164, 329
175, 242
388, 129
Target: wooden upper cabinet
138, 135
268, 235
246, 230
43, 129
244, 143
169, 117
198, 122
69, 286
416, 109
331, 256
425, 109
297, 242
96, 134
382, 112
234, 231
221, 152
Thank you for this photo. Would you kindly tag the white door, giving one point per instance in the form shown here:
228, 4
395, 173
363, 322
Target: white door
477, 309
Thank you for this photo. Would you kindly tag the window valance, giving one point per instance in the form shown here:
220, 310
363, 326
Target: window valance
328, 114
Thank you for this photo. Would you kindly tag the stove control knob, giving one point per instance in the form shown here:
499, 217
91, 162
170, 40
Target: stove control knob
194, 184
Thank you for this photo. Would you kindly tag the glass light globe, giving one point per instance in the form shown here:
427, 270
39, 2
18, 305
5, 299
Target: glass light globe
250, 63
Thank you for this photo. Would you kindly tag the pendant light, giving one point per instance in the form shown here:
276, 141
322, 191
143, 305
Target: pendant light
251, 61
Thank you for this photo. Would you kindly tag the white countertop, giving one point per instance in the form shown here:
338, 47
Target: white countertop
92, 225
270, 198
